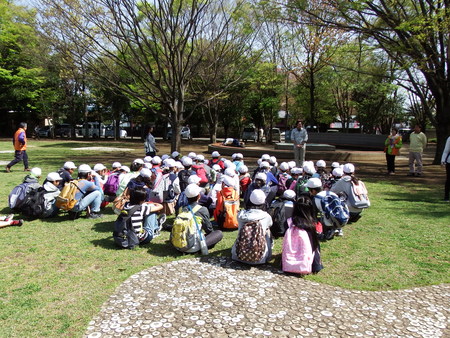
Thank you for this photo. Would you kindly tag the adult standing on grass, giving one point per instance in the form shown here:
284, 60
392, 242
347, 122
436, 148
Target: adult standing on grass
150, 143
20, 147
446, 161
299, 136
392, 145
417, 141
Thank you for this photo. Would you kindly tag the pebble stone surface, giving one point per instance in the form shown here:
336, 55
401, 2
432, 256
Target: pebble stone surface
216, 297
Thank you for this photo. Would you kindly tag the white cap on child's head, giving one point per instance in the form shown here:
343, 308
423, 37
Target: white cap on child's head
243, 169
164, 157
84, 168
348, 168
309, 169
116, 165
52, 177
335, 165
200, 158
147, 159
175, 154
264, 164
284, 166
192, 190
215, 154
194, 179
99, 166
139, 161
216, 167
258, 197
261, 176
314, 183
145, 172
289, 195
37, 172
228, 181
337, 172
296, 171
230, 172
321, 164
187, 161
192, 155
69, 165
125, 168
156, 160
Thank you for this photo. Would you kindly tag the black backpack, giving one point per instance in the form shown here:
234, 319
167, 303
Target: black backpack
34, 203
124, 234
184, 175
278, 213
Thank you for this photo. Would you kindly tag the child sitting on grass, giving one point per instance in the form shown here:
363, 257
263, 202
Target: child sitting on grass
144, 220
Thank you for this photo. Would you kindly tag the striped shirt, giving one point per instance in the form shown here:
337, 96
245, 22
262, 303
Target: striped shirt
137, 219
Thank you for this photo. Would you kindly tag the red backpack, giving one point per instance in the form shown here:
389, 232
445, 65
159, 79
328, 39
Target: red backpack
201, 172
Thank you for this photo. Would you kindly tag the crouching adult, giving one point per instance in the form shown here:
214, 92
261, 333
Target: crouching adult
89, 193
254, 242
51, 186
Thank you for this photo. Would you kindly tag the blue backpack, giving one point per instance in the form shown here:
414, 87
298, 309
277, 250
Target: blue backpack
19, 194
334, 210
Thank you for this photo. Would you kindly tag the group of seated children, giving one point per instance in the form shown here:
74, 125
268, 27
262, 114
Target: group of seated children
303, 205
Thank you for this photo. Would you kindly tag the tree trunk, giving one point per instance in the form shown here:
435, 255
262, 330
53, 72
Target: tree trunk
443, 125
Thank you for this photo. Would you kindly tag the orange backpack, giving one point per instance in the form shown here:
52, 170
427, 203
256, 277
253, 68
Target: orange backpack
227, 218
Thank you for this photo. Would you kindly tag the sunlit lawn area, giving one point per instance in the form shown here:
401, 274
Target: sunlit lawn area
55, 274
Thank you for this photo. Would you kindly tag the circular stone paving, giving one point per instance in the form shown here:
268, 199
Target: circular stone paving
215, 297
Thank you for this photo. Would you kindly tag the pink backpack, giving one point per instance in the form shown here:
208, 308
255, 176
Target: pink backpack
297, 255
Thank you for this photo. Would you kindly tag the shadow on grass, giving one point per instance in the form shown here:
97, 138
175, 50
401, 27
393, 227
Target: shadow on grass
107, 226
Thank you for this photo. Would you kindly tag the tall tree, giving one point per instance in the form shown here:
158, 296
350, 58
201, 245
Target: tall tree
161, 44
414, 33
21, 73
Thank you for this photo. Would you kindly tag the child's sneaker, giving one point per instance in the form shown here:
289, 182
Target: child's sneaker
339, 232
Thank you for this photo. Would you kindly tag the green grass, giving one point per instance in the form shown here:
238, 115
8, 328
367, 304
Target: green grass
55, 274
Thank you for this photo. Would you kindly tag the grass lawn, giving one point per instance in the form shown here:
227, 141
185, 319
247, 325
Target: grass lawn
55, 274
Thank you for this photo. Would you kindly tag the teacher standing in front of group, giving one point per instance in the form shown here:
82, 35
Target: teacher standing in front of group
299, 136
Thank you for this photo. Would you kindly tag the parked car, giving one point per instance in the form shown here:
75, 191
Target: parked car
45, 131
63, 130
250, 133
91, 130
185, 133
276, 134
109, 132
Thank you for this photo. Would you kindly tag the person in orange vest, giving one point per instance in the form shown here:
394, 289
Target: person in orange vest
20, 147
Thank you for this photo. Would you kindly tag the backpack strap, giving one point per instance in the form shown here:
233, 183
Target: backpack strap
199, 230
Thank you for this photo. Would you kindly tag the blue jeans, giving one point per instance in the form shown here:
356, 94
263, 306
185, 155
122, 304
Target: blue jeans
151, 225
93, 199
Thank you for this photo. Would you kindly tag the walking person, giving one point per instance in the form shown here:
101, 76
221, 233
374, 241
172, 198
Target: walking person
20, 148
150, 143
392, 145
299, 136
446, 161
417, 141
